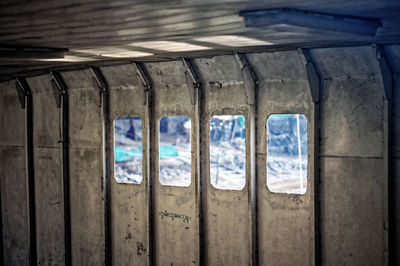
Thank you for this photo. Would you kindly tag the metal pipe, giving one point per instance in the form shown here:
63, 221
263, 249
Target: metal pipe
26, 103
101, 84
60, 85
315, 82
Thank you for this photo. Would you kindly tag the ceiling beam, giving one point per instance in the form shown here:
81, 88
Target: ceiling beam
24, 53
310, 19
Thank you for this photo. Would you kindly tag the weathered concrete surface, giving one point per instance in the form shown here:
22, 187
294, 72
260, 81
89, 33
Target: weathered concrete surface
352, 158
129, 202
227, 212
340, 63
174, 237
352, 102
353, 222
352, 145
86, 169
48, 173
46, 114
14, 206
85, 122
12, 119
14, 197
49, 206
285, 221
352, 126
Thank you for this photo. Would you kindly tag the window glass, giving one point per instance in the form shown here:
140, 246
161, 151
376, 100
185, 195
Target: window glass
228, 152
287, 153
175, 151
128, 150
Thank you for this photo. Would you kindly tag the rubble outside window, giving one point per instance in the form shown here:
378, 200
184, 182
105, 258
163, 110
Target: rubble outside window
287, 153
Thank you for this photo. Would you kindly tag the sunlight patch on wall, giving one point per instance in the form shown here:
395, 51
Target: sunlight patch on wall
69, 58
115, 52
170, 46
233, 40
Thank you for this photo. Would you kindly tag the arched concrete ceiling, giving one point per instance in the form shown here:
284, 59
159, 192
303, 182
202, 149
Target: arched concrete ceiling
93, 31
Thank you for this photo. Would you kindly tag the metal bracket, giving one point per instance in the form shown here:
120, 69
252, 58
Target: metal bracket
249, 78
23, 90
192, 80
387, 74
314, 78
99, 82
145, 81
59, 87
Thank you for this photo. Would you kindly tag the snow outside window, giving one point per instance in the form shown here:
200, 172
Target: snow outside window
128, 150
175, 151
228, 152
287, 154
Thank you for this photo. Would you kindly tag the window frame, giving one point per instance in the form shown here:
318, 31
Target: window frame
158, 150
307, 171
246, 136
113, 149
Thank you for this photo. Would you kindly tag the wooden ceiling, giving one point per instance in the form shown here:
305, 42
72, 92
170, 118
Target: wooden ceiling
107, 32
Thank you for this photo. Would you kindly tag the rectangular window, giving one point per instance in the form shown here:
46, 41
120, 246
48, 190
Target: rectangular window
175, 151
228, 152
128, 150
287, 154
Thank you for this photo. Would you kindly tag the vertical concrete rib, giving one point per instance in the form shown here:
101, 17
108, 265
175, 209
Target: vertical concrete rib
196, 84
251, 87
202, 190
202, 177
23, 86
388, 83
31, 178
254, 174
254, 189
317, 186
150, 184
2, 258
101, 84
315, 81
107, 146
59, 84
151, 133
65, 163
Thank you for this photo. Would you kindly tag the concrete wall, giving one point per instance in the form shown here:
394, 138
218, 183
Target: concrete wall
283, 88
354, 182
227, 213
14, 196
86, 169
129, 202
240, 227
48, 173
173, 237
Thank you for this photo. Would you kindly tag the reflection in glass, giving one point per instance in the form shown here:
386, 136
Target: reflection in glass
228, 152
175, 151
287, 153
128, 150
